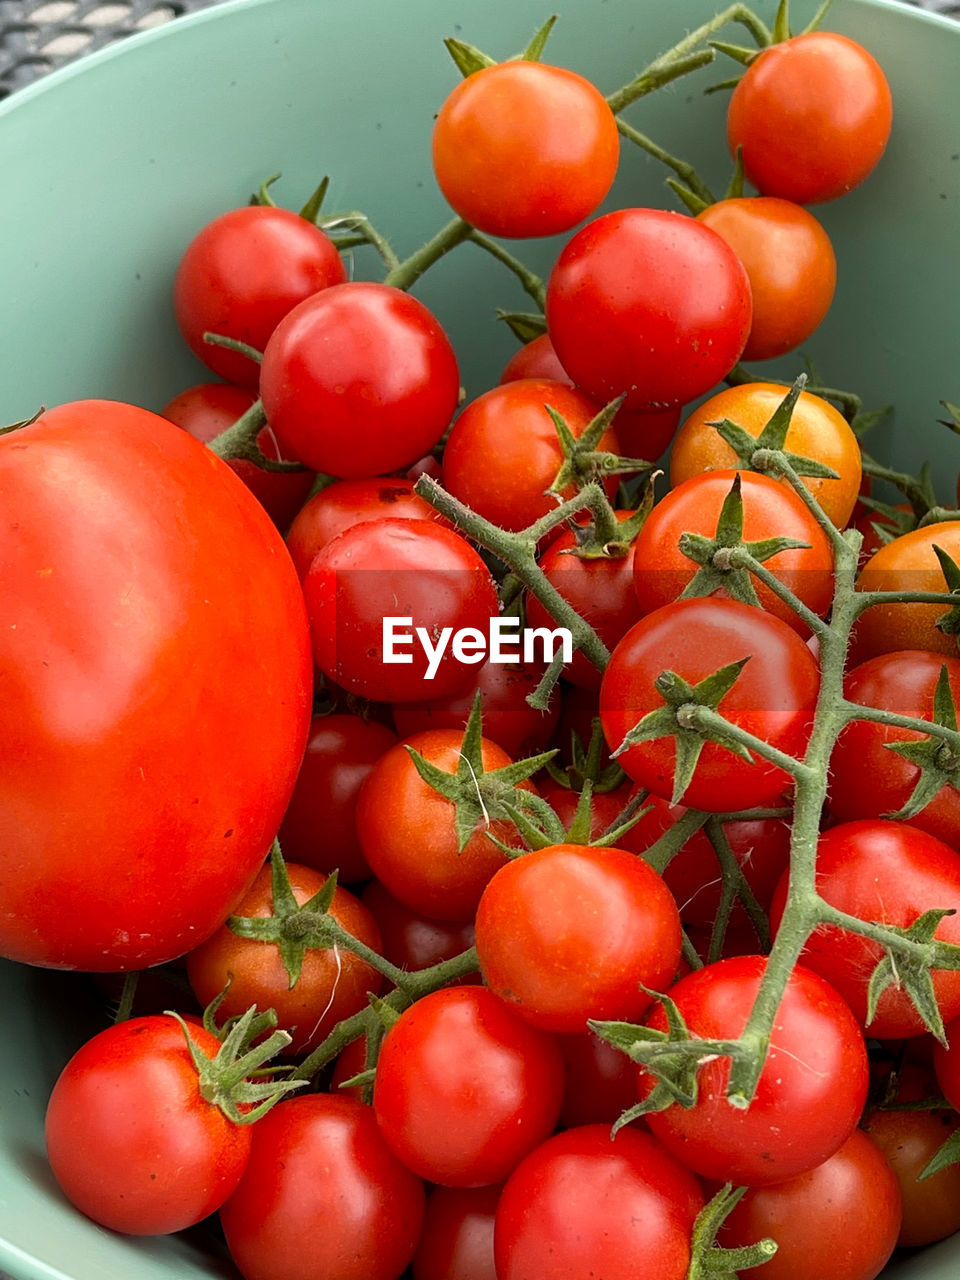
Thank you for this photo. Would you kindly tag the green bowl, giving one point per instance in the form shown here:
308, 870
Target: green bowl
112, 164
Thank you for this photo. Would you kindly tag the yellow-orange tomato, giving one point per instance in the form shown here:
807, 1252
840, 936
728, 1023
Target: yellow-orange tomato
817, 430
908, 563
790, 264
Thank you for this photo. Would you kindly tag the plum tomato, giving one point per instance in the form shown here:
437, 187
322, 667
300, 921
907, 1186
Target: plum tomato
908, 563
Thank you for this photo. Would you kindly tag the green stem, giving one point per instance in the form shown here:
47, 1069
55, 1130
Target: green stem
660, 854
366, 233
709, 721
739, 558
681, 168
877, 715
532, 284
408, 272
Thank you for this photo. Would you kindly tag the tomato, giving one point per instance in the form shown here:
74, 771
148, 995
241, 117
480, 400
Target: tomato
130, 1139
569, 933
348, 502
408, 834
465, 1089
946, 1064
773, 697
817, 431
241, 274
813, 115
411, 940
605, 806
319, 828
839, 1219
649, 304
333, 982
908, 563
147, 758
810, 1093
358, 380
323, 1198
457, 1240
504, 453
525, 149
582, 1205
867, 779
790, 264
889, 873
427, 576
662, 572
601, 1081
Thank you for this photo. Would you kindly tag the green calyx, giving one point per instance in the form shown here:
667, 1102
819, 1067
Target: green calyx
763, 452
936, 759
711, 1261
583, 461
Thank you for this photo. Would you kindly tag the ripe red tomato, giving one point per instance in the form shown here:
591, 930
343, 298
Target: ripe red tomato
790, 263
908, 563
946, 1063
525, 149
457, 1240
239, 277
601, 1081
411, 940
464, 1088
811, 1090
582, 1204
405, 569
649, 304
147, 759
569, 933
813, 116
130, 1139
323, 1198
358, 380
773, 697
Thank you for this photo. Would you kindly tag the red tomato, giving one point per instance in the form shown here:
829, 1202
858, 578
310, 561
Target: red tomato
323, 1198
601, 1081
147, 758
525, 149
403, 569
605, 806
908, 563
790, 263
457, 1240
649, 304
946, 1063
581, 1205
569, 933
811, 1090
319, 828
239, 277
130, 1139
413, 941
465, 1089
359, 380
813, 116
889, 873
773, 698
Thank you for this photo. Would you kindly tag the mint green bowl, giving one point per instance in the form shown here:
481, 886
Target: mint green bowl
111, 165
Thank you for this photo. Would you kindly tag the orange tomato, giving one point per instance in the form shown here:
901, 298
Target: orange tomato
908, 563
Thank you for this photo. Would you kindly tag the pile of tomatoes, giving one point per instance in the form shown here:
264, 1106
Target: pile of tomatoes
547, 863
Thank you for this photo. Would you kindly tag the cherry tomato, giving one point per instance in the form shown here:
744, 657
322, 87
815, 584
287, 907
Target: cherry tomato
465, 1089
241, 274
525, 149
147, 758
946, 1063
605, 806
810, 1093
323, 1198
773, 697
358, 380
817, 431
648, 304
813, 116
601, 1081
130, 1139
411, 940
790, 264
908, 563
457, 1240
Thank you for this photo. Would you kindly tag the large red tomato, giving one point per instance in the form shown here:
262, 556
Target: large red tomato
155, 688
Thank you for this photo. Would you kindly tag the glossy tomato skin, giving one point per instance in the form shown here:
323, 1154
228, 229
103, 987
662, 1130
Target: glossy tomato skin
457, 1240
570, 932
241, 274
790, 263
889, 873
148, 757
908, 563
319, 828
867, 779
465, 1089
131, 1142
523, 149
813, 115
810, 1093
582, 1204
323, 1198
648, 304
773, 697
359, 380
817, 430
395, 568
840, 1219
